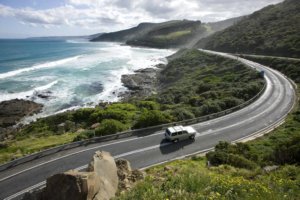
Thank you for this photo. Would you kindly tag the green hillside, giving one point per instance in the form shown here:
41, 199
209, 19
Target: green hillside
170, 34
274, 30
176, 33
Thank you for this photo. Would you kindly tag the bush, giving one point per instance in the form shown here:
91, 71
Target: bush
182, 114
210, 107
149, 105
82, 114
222, 146
84, 135
110, 126
219, 158
288, 151
152, 118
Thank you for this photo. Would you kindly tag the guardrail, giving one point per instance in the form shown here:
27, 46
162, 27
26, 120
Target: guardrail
135, 132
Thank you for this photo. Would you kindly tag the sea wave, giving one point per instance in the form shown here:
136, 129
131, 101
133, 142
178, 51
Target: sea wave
78, 41
26, 94
39, 66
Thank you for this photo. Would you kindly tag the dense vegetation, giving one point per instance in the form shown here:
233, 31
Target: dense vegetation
176, 33
274, 30
237, 170
289, 67
193, 84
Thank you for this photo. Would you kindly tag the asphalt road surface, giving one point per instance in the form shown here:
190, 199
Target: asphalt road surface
268, 110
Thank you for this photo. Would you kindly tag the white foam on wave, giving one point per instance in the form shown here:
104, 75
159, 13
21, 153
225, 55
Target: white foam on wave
39, 66
77, 41
26, 94
113, 86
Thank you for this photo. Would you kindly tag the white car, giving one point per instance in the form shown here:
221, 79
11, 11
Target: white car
177, 133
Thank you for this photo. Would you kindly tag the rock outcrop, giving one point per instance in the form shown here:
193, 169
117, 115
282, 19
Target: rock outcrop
103, 178
127, 176
70, 185
13, 111
105, 169
141, 84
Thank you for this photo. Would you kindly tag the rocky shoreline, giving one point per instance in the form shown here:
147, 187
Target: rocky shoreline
12, 111
141, 84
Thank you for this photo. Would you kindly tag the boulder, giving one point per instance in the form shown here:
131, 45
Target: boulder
127, 176
70, 185
104, 166
96, 125
65, 127
104, 176
269, 169
61, 128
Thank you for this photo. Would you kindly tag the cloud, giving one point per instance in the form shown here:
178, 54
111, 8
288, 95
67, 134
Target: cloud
118, 14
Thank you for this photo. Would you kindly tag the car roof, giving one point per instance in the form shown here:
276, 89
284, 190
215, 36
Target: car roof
189, 129
176, 129
181, 128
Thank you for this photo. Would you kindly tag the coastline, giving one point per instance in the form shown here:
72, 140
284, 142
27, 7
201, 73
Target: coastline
141, 84
120, 91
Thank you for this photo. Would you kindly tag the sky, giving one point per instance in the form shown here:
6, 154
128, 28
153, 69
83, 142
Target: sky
32, 18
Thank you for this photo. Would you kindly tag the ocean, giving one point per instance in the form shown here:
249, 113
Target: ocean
69, 74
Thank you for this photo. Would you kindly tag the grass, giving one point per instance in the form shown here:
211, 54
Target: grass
31, 144
191, 179
174, 35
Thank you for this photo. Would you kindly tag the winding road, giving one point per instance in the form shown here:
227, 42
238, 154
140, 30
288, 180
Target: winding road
259, 117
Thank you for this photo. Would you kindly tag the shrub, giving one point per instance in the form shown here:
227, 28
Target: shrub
149, 105
122, 106
82, 114
84, 135
210, 107
222, 146
219, 158
152, 118
110, 126
120, 115
288, 151
182, 114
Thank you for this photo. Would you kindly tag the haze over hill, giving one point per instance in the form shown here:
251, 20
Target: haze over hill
273, 30
175, 33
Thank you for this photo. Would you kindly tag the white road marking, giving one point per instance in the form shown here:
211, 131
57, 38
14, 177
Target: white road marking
77, 152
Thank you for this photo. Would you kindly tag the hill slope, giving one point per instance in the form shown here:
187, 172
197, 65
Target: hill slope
273, 30
176, 33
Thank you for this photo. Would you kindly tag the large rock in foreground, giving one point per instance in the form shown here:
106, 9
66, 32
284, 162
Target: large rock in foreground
100, 182
13, 111
72, 185
105, 169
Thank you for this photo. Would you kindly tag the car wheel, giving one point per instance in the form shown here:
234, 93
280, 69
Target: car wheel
192, 137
